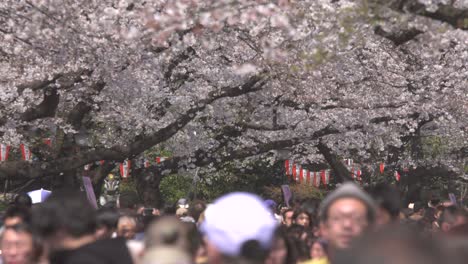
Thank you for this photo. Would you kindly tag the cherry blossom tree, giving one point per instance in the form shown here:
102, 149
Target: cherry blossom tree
217, 81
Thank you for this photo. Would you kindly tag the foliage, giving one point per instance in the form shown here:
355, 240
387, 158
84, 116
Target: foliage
299, 191
213, 82
173, 187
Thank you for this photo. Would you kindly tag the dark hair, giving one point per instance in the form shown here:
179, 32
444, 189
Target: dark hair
287, 211
21, 212
67, 211
298, 212
387, 197
37, 243
450, 213
418, 206
107, 217
196, 209
128, 200
281, 233
323, 243
23, 199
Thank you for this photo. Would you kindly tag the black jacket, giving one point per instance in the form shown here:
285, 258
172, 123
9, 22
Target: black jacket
105, 251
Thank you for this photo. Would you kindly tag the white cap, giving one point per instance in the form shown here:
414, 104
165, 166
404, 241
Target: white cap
235, 219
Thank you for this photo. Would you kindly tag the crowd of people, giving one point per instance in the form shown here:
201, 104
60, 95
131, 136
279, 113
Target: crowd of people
350, 225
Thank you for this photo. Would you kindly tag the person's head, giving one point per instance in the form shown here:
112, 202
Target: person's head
387, 199
282, 251
23, 200
128, 200
168, 231
66, 220
302, 217
16, 214
17, 245
288, 217
230, 234
394, 246
127, 226
345, 214
196, 209
106, 221
418, 208
451, 217
318, 248
181, 212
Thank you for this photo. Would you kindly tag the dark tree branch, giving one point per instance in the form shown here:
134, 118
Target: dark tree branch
22, 169
46, 108
76, 115
399, 37
340, 170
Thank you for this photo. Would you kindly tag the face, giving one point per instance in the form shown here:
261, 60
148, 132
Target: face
287, 221
11, 221
17, 247
347, 219
126, 227
302, 219
278, 252
317, 251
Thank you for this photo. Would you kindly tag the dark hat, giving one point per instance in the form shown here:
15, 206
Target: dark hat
348, 190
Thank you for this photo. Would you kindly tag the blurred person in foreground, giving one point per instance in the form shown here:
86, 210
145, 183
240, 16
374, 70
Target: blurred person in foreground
238, 228
387, 198
18, 245
345, 214
173, 240
17, 215
397, 245
67, 224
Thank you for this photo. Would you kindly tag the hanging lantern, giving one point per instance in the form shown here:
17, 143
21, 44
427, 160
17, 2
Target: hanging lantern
397, 175
160, 159
316, 179
25, 152
146, 163
125, 169
4, 151
48, 142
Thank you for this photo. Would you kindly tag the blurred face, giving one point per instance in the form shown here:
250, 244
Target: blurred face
317, 251
17, 247
347, 219
287, 221
11, 221
126, 227
278, 252
302, 219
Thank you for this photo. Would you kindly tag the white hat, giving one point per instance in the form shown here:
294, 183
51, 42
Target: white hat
235, 219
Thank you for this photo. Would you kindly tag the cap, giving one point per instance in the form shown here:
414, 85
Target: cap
236, 218
348, 190
269, 203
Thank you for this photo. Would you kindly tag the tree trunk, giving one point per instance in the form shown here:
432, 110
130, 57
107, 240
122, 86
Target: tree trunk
341, 172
